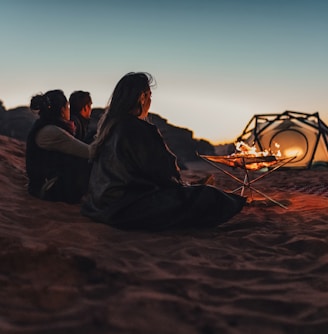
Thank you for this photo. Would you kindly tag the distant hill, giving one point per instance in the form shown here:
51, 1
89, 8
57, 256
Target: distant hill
16, 123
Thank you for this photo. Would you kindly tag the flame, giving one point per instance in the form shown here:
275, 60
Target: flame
243, 149
277, 153
247, 157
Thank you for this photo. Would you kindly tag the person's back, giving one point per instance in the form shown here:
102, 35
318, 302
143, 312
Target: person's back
111, 180
135, 182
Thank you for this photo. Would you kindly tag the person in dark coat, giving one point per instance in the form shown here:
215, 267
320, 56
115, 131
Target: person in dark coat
80, 106
56, 162
135, 182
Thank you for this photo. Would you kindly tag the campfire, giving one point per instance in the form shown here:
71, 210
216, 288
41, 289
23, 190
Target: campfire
248, 157
242, 149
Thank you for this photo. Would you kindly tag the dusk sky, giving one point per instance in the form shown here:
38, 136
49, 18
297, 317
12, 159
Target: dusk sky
216, 62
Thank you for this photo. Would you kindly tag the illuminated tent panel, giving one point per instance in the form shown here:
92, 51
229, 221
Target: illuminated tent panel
297, 134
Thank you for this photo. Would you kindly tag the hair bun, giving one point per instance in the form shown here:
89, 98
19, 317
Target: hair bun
40, 102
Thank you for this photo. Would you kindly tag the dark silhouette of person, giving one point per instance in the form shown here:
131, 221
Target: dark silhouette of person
56, 162
80, 105
135, 182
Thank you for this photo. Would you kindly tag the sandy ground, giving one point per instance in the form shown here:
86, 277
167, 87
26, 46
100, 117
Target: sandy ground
264, 271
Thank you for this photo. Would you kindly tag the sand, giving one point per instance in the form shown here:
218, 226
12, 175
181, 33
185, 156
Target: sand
264, 271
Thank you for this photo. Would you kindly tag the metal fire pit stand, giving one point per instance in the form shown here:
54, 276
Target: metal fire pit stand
247, 182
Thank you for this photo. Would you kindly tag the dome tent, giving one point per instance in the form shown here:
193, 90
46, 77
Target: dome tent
300, 134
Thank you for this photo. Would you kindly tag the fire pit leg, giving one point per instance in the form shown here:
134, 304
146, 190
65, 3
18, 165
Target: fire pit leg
247, 182
244, 185
269, 198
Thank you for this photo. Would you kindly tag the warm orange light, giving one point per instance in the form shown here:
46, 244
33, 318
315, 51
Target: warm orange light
277, 153
243, 149
293, 152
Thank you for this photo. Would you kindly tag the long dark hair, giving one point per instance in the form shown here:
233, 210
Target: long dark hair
49, 105
124, 100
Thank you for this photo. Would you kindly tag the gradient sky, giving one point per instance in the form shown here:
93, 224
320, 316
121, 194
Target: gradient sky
216, 62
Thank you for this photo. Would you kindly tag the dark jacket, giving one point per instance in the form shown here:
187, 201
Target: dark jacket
135, 183
82, 128
53, 175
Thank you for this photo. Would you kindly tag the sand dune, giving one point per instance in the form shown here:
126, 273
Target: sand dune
264, 271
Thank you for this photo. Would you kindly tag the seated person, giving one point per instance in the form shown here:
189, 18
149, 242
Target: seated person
135, 182
56, 162
80, 105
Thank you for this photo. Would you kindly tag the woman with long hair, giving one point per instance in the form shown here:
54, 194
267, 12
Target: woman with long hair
135, 182
56, 162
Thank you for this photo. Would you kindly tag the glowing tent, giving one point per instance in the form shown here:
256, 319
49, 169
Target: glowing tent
297, 134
